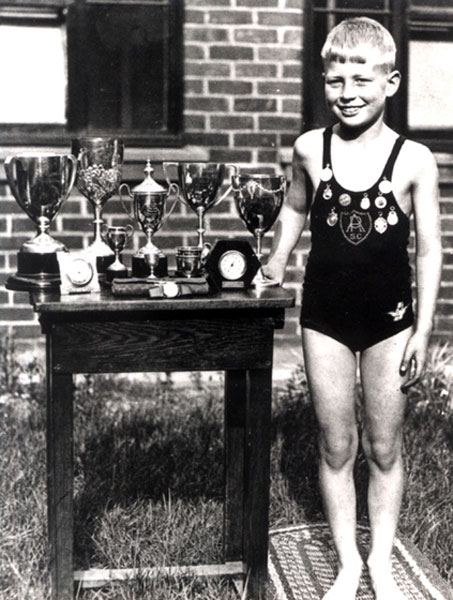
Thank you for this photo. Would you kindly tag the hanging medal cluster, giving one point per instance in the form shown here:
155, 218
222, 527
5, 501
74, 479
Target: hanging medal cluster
381, 222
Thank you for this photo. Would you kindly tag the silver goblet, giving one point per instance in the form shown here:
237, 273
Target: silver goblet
258, 200
100, 162
117, 236
199, 183
40, 183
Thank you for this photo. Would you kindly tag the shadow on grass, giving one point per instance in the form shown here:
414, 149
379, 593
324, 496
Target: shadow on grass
162, 448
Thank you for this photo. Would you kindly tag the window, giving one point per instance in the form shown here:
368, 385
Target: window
92, 67
424, 39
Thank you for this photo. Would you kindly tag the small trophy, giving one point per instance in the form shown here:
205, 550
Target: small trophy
199, 184
40, 183
117, 236
149, 210
258, 200
100, 162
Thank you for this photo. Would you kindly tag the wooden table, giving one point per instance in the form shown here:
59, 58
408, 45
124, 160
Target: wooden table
229, 331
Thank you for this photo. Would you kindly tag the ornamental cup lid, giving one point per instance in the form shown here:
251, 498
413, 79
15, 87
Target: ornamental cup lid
149, 185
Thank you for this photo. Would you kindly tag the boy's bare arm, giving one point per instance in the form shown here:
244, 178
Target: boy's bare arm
425, 199
292, 216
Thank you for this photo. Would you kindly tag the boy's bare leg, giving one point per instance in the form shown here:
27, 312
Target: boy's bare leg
382, 443
331, 371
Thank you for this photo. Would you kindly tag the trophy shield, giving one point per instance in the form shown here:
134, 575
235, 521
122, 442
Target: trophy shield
258, 200
99, 171
200, 183
149, 203
40, 183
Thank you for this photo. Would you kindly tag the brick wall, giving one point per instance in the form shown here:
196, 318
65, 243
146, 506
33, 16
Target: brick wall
242, 106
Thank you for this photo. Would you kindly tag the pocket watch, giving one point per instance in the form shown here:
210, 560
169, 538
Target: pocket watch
232, 264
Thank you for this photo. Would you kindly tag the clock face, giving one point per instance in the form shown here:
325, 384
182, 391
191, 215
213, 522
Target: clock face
232, 265
81, 272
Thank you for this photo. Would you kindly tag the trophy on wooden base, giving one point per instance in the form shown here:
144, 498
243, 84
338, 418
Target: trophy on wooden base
149, 210
40, 183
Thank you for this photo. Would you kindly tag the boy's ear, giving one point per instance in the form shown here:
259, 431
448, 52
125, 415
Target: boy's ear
393, 83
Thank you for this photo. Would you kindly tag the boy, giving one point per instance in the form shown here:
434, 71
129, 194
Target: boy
357, 290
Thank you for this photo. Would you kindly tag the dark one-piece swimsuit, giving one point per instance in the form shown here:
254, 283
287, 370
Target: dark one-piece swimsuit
357, 285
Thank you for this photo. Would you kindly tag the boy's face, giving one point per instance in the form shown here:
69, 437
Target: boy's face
356, 92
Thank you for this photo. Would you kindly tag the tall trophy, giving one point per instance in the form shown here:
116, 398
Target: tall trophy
258, 200
199, 184
99, 169
40, 183
149, 200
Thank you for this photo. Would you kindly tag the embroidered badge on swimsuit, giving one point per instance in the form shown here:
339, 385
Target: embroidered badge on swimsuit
344, 199
327, 193
380, 202
385, 186
332, 219
355, 226
392, 217
326, 174
381, 224
399, 311
365, 202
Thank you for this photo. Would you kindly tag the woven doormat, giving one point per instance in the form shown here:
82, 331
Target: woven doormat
303, 566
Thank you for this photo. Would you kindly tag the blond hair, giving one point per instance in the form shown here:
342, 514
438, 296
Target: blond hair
349, 40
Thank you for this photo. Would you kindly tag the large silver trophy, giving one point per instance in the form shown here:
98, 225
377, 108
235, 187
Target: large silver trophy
40, 184
200, 183
149, 203
99, 170
258, 200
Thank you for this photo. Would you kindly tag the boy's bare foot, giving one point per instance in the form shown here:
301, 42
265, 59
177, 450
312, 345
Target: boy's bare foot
383, 583
346, 584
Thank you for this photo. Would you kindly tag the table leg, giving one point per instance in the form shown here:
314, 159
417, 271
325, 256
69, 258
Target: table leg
235, 400
60, 482
257, 474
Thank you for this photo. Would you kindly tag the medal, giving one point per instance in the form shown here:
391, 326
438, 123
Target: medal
365, 202
392, 217
326, 174
380, 202
381, 224
327, 193
332, 219
385, 186
344, 199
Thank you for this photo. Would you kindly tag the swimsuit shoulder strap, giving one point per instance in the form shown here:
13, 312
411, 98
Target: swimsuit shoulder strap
327, 137
388, 169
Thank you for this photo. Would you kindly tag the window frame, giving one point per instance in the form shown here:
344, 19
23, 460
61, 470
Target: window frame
38, 12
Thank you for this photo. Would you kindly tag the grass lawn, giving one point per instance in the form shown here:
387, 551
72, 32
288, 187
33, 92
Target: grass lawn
149, 476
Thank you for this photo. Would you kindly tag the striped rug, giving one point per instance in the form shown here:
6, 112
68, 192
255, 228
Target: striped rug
302, 566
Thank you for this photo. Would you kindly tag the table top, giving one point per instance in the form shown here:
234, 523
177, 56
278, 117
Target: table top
104, 301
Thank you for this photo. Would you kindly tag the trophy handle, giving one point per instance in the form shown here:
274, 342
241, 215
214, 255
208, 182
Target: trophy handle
173, 189
165, 166
230, 187
180, 197
104, 230
129, 231
205, 252
126, 187
10, 162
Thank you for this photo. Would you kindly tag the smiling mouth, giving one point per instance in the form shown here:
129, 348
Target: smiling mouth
349, 111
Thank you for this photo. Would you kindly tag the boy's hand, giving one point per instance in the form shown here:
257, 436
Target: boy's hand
274, 270
414, 360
